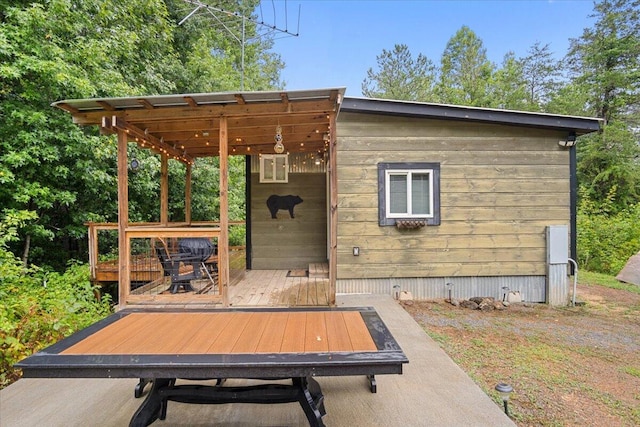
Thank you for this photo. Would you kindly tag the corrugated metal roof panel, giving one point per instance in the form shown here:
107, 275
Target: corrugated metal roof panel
177, 100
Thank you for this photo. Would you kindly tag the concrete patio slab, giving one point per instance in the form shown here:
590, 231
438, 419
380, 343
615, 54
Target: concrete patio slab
433, 391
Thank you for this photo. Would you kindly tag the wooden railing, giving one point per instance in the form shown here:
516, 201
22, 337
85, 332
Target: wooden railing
111, 270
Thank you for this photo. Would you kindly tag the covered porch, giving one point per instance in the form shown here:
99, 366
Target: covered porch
185, 127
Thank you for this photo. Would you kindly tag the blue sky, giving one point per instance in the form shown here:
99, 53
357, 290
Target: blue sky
339, 40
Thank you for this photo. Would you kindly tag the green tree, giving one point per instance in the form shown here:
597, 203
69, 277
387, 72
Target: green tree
39, 308
542, 75
606, 65
400, 77
209, 45
63, 49
465, 71
508, 86
56, 50
606, 59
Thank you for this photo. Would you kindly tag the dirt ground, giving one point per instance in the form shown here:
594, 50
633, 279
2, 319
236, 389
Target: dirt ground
571, 366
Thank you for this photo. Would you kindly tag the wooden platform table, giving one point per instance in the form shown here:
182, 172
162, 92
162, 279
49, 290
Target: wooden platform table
261, 343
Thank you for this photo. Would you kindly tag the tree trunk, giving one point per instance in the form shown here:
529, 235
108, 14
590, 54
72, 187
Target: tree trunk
27, 246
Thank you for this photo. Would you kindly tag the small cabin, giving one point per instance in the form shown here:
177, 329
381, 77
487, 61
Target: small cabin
364, 195
441, 200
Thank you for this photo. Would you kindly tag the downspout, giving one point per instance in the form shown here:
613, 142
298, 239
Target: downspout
573, 185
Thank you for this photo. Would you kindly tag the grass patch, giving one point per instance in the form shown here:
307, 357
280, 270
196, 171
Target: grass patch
441, 339
590, 278
632, 370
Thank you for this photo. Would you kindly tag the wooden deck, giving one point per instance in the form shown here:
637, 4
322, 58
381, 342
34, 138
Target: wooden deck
276, 288
252, 288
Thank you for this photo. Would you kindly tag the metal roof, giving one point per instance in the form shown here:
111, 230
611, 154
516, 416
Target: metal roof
579, 125
187, 100
187, 126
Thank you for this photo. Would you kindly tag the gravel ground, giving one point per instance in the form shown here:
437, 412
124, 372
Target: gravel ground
575, 365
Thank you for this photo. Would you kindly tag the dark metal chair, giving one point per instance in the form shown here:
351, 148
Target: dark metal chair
171, 262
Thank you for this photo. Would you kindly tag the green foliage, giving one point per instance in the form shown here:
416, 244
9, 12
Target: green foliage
609, 168
465, 71
64, 49
606, 64
607, 237
39, 308
541, 73
466, 77
400, 77
606, 59
237, 235
508, 85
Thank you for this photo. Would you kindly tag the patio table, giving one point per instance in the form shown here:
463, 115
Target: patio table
258, 343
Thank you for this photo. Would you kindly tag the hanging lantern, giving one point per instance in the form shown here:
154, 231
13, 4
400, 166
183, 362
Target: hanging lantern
279, 147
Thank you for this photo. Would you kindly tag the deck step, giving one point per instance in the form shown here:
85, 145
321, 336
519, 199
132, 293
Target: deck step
319, 270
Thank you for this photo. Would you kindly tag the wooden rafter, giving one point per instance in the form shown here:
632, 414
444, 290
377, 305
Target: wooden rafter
68, 108
146, 104
145, 140
207, 111
106, 105
192, 102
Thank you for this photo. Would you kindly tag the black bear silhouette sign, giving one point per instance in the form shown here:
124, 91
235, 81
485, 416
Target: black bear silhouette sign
275, 203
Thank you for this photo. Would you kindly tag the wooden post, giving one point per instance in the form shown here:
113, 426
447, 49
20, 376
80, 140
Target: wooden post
123, 220
223, 240
93, 249
164, 189
187, 195
333, 209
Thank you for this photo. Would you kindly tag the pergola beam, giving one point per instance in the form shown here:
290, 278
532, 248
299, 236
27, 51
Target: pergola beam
145, 139
203, 111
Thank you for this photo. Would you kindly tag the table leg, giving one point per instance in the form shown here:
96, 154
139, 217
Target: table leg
373, 386
153, 406
305, 391
311, 399
139, 390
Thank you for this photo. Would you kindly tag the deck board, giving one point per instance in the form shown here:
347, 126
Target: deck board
230, 332
257, 288
316, 334
294, 335
338, 333
208, 332
271, 340
250, 336
247, 288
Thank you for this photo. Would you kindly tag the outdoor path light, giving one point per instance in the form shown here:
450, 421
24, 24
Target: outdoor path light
450, 289
504, 390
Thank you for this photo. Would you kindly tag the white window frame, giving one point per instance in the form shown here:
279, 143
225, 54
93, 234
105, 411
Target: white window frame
386, 169
408, 173
269, 161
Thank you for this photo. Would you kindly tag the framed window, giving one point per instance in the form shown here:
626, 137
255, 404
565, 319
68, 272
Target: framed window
408, 191
274, 168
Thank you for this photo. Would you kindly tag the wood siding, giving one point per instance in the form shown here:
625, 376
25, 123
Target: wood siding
289, 243
500, 187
